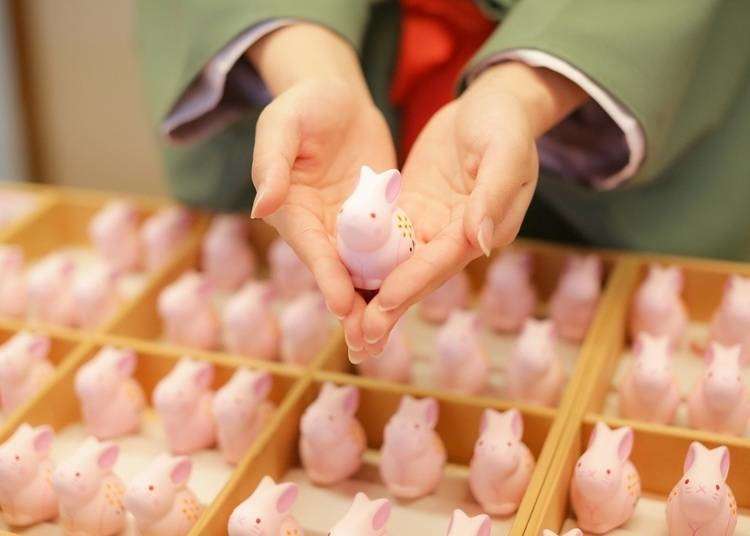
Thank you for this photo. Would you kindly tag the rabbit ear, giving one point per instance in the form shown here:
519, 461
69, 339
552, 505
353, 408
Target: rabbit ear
382, 514
710, 354
723, 452
516, 423
351, 400
181, 470
108, 454
287, 496
126, 362
39, 345
625, 442
486, 527
432, 411
262, 385
484, 423
392, 185
600, 429
43, 437
692, 455
204, 375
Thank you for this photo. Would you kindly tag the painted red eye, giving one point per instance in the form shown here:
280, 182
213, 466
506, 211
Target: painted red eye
609, 472
416, 426
78, 475
718, 487
257, 520
17, 457
687, 481
151, 488
372, 215
510, 444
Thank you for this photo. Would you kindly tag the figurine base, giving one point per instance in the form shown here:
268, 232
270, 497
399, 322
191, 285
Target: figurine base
366, 294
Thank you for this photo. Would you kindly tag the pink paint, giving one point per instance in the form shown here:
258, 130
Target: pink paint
249, 324
96, 295
290, 276
573, 304
267, 512
658, 307
451, 295
461, 362
24, 368
395, 362
112, 401
26, 494
13, 291
463, 525
332, 440
160, 500
305, 328
508, 297
163, 233
114, 233
90, 494
241, 410
373, 234
50, 290
413, 455
731, 322
720, 401
649, 391
606, 486
365, 517
502, 464
702, 502
183, 399
535, 371
188, 314
226, 256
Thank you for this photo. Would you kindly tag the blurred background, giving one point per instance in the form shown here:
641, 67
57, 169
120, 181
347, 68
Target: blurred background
71, 108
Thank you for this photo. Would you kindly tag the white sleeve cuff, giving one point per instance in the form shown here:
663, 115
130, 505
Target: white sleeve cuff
553, 147
199, 111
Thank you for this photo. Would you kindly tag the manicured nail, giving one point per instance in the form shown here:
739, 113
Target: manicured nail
370, 340
484, 236
258, 198
351, 346
339, 318
353, 359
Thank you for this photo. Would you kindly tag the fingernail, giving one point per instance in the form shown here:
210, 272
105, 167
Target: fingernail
351, 346
339, 318
386, 308
484, 235
258, 198
370, 340
353, 359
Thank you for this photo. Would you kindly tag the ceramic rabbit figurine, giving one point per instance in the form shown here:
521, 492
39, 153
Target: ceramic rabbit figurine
96, 295
572, 532
720, 401
649, 391
508, 297
90, 494
159, 499
605, 487
365, 517
373, 234
187, 312
451, 295
332, 440
702, 504
241, 409
24, 368
535, 372
162, 233
502, 464
290, 276
26, 494
226, 256
463, 525
731, 322
183, 399
305, 328
462, 363
249, 324
413, 455
114, 233
13, 291
267, 512
395, 363
574, 301
658, 308
50, 290
112, 401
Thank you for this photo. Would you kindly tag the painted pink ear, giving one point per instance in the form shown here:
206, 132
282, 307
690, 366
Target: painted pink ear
724, 462
486, 527
691, 455
432, 411
181, 471
393, 186
485, 422
639, 343
351, 400
286, 499
598, 428
516, 423
710, 354
262, 385
108, 456
381, 515
204, 376
39, 346
126, 363
43, 437
625, 447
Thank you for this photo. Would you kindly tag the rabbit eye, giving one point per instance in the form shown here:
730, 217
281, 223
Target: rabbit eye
330, 417
510, 444
687, 481
609, 471
718, 487
372, 215
416, 426
710, 374
17, 457
151, 488
257, 520
78, 475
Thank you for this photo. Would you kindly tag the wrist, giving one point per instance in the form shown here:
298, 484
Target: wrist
545, 96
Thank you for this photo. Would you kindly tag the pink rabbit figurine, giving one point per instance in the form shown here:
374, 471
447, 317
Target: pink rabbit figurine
373, 234
605, 487
162, 234
658, 307
451, 295
720, 401
572, 532
461, 363
227, 258
508, 297
502, 464
702, 504
413, 455
649, 391
24, 368
114, 233
112, 401
249, 324
159, 499
50, 290
267, 512
241, 409
463, 525
26, 494
290, 276
395, 363
90, 494
96, 295
183, 400
731, 322
535, 372
305, 328
12, 282
188, 314
574, 301
332, 440
365, 517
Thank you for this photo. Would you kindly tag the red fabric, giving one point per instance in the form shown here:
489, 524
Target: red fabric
438, 38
